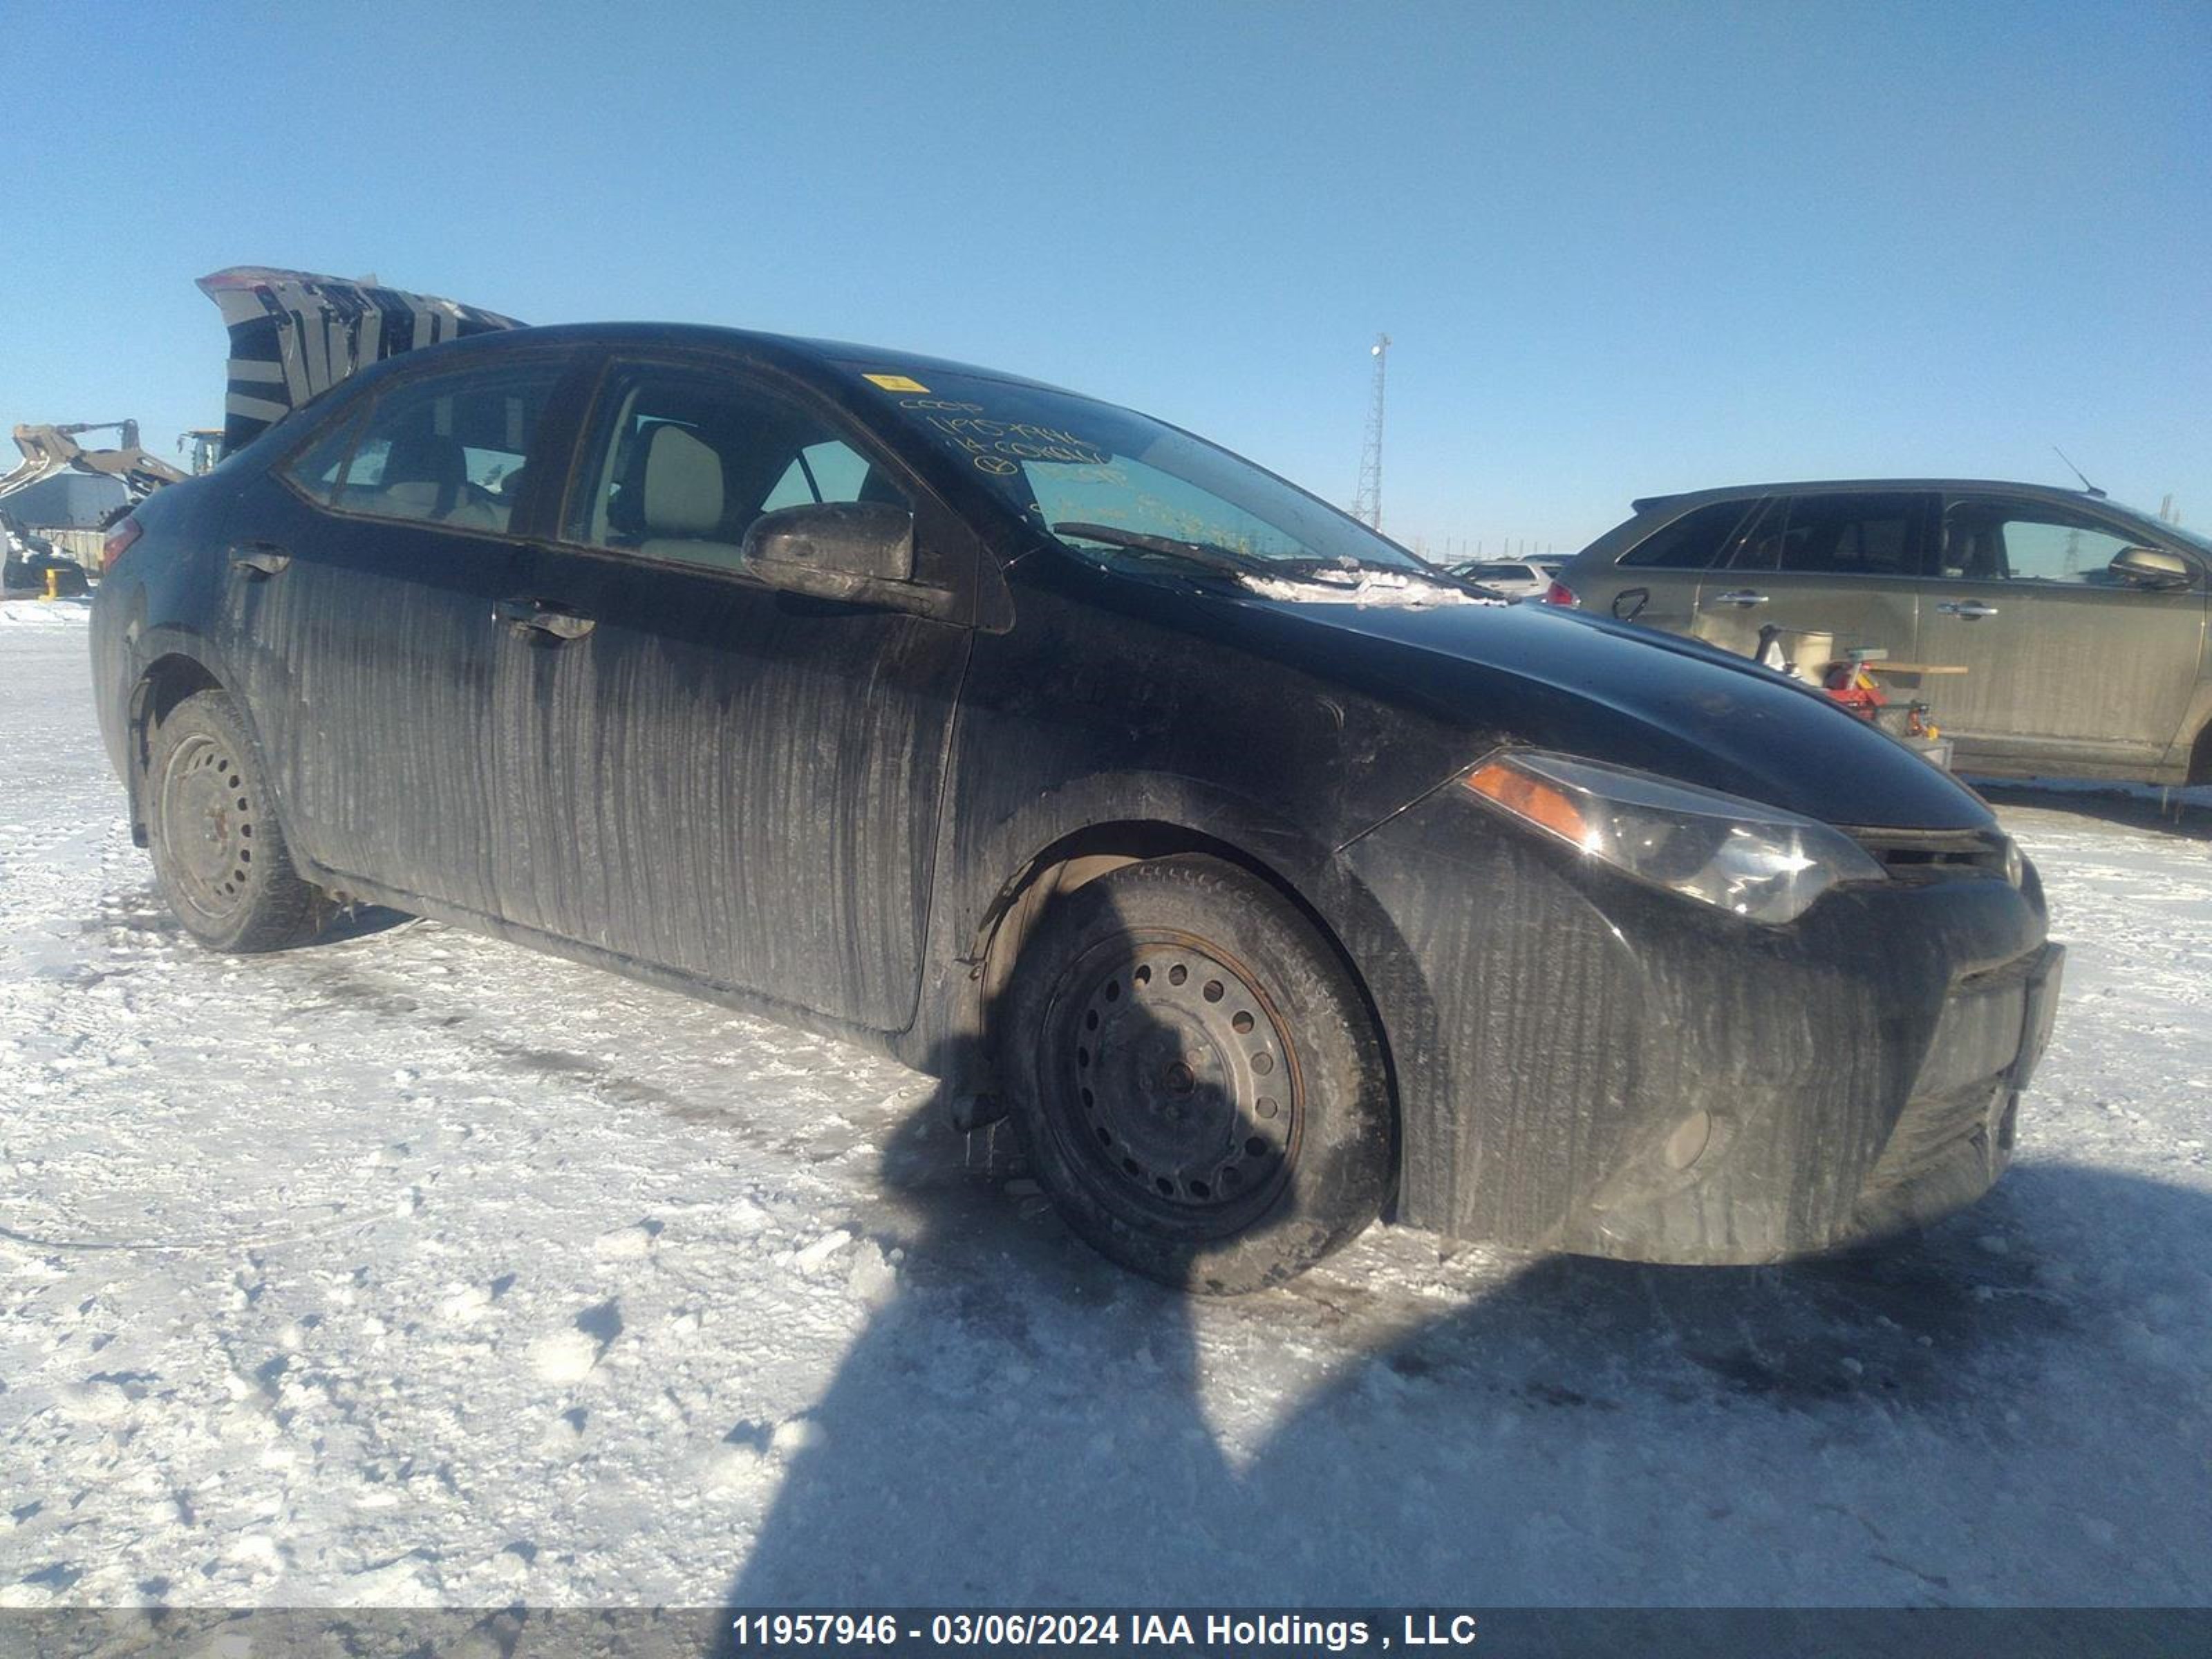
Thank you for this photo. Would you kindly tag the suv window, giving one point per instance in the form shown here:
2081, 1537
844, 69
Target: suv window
684, 461
1873, 534
441, 449
2005, 541
1696, 541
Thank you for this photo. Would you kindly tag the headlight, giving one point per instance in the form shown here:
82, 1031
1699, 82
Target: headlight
1757, 861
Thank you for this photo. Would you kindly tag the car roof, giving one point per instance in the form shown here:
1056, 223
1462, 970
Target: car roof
1803, 487
839, 353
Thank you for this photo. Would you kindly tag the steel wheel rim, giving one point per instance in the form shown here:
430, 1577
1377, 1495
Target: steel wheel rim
207, 825
1174, 1086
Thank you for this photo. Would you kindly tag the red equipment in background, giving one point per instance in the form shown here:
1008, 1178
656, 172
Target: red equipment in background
1848, 684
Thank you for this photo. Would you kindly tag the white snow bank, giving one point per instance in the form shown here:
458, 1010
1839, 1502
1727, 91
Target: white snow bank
43, 613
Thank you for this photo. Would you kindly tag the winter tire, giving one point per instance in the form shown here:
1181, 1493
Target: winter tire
1195, 1076
219, 853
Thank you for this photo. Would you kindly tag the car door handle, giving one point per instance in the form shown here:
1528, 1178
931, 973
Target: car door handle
262, 558
1742, 596
536, 617
1971, 609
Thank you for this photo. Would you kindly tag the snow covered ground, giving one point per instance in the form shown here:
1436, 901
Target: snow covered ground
413, 1269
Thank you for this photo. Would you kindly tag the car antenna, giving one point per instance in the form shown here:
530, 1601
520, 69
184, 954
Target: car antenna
2079, 474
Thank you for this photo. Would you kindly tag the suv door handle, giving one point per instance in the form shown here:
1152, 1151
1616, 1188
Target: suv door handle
1743, 596
537, 616
262, 558
1971, 609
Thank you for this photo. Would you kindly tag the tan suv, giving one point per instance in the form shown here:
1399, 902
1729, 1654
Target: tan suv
2080, 623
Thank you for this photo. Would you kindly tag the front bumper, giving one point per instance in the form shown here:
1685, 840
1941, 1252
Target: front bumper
1955, 1136
1587, 1064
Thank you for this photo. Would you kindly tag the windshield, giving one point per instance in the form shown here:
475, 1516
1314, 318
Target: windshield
1114, 482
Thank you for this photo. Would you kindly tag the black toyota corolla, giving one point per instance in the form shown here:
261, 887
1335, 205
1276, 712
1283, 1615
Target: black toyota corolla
1268, 880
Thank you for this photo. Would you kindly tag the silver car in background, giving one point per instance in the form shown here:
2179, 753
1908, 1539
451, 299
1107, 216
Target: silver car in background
2071, 628
1510, 579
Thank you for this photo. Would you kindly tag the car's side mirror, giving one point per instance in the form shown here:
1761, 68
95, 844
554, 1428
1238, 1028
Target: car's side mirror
2147, 567
857, 550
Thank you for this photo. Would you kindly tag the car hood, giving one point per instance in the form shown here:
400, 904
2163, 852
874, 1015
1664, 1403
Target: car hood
1588, 686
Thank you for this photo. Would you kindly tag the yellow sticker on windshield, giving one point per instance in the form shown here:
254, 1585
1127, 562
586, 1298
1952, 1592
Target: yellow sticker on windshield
895, 383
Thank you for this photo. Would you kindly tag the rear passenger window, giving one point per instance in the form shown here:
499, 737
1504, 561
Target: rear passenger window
449, 449
1876, 534
683, 462
1696, 541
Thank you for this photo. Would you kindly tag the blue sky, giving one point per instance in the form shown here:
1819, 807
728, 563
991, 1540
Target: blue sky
1621, 249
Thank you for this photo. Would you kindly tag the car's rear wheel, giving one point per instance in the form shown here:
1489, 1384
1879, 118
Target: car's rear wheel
219, 853
1195, 1076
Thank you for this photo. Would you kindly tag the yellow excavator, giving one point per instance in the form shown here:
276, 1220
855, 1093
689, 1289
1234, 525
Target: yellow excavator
33, 564
50, 450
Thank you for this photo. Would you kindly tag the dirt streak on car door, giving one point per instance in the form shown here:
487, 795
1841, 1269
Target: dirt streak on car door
738, 784
367, 652
370, 671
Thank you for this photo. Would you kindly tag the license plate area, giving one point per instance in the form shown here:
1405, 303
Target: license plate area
2042, 1012
1995, 1026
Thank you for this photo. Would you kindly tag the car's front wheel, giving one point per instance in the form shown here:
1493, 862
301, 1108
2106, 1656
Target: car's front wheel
1195, 1076
219, 853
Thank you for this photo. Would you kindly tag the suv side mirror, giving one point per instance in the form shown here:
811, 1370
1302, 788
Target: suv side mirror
857, 550
2147, 567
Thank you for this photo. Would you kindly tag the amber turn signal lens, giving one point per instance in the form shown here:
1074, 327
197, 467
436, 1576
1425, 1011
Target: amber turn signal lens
1543, 804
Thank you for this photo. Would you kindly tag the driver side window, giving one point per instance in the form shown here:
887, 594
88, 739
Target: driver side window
684, 461
1992, 542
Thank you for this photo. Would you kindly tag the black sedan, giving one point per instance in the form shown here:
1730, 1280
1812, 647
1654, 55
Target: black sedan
1270, 880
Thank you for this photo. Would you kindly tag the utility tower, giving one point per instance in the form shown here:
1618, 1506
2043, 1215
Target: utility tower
1367, 504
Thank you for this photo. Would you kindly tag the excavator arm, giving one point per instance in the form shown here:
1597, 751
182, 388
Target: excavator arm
48, 450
